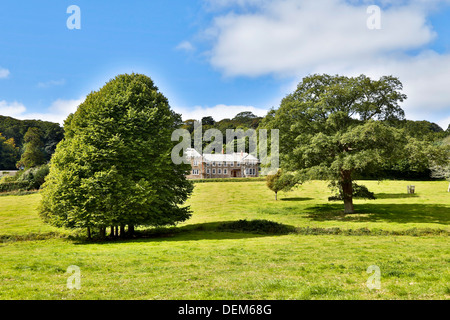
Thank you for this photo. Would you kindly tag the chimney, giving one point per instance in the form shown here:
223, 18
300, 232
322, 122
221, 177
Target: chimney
222, 150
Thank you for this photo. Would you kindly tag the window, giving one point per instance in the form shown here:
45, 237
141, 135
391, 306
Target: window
238, 164
195, 172
225, 171
224, 164
195, 162
214, 171
214, 164
231, 164
208, 171
207, 164
219, 171
219, 163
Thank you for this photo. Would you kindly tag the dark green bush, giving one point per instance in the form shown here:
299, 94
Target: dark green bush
256, 226
35, 176
30, 179
13, 186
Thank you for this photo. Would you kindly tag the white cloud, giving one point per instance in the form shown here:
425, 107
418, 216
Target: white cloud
57, 112
293, 38
51, 83
185, 46
11, 109
444, 123
4, 73
218, 112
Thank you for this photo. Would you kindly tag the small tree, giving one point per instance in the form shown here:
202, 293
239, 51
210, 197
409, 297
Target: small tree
280, 182
114, 166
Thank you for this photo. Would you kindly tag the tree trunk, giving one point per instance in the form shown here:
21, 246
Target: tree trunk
122, 231
112, 232
89, 233
275, 196
347, 190
130, 230
102, 232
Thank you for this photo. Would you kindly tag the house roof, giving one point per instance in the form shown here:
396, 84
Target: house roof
192, 153
217, 157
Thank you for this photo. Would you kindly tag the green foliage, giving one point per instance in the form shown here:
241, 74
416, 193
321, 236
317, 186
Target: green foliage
243, 120
8, 153
33, 154
9, 186
442, 170
259, 226
26, 180
281, 181
35, 176
334, 127
51, 134
114, 167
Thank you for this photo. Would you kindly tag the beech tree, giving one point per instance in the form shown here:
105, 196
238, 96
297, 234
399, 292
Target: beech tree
113, 168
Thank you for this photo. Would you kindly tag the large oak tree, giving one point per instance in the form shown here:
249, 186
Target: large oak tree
334, 127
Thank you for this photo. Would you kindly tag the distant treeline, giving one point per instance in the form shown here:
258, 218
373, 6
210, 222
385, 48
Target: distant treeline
12, 139
403, 170
12, 131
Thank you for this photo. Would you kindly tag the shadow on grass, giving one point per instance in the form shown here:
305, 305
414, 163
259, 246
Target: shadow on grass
398, 213
220, 230
396, 195
296, 199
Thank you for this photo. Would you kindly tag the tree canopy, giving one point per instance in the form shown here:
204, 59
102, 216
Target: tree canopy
114, 166
336, 127
8, 153
281, 181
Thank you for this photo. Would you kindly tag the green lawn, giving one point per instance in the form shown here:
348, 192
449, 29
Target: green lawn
197, 261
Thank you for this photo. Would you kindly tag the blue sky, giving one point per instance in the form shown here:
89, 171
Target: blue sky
219, 57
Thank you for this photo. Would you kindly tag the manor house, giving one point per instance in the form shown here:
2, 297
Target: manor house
208, 166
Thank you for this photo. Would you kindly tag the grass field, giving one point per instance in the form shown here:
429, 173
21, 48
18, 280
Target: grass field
198, 261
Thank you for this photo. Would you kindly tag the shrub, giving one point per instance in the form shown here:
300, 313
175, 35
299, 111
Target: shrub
34, 176
256, 226
13, 186
30, 179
